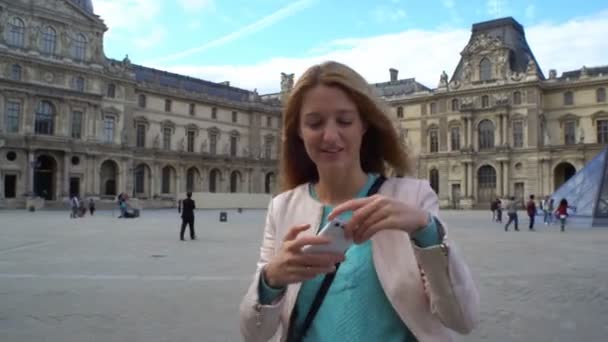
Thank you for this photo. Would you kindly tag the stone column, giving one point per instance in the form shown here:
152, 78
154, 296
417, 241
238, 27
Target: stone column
30, 172
96, 177
178, 183
499, 178
153, 178
507, 188
505, 128
66, 175
501, 130
470, 181
465, 187
466, 133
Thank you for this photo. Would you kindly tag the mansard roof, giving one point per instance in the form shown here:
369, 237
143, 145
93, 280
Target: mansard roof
400, 87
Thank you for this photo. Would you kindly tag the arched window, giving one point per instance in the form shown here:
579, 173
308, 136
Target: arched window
433, 140
455, 105
486, 135
49, 40
485, 70
45, 116
486, 180
434, 180
79, 84
79, 47
568, 98
111, 90
141, 100
269, 182
214, 178
600, 95
16, 32
400, 112
235, 180
517, 98
167, 179
485, 101
16, 72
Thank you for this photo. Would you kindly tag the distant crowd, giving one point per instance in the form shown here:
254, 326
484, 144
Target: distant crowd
545, 208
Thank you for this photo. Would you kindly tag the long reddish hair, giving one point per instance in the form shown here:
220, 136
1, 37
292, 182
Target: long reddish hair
380, 146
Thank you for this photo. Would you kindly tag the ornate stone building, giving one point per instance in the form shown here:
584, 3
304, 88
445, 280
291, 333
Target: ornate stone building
76, 122
498, 127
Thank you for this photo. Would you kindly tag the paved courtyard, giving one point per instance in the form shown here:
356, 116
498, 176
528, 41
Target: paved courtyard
106, 279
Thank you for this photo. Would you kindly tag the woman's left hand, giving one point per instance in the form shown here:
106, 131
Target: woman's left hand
375, 213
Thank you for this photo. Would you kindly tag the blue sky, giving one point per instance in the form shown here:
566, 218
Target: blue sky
249, 43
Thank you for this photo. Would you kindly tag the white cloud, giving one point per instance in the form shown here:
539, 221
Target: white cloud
422, 54
195, 5
530, 11
153, 38
448, 3
496, 7
383, 14
131, 20
259, 25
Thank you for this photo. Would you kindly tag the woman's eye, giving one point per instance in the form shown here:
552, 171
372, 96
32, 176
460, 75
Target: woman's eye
345, 122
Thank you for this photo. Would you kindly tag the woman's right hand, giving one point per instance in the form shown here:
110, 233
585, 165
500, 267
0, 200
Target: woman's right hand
290, 265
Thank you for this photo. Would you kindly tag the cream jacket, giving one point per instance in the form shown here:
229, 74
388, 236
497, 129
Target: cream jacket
430, 288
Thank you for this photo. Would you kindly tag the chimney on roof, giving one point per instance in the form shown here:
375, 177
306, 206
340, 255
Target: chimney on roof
226, 83
394, 74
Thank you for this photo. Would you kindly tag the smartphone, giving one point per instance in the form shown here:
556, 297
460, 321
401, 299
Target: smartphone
334, 230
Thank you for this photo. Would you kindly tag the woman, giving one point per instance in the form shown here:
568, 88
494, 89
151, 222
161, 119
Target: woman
401, 280
562, 213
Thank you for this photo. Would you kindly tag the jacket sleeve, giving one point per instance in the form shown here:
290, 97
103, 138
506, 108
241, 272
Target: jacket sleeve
260, 322
447, 279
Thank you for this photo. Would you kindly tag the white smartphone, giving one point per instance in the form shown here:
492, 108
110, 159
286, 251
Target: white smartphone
334, 230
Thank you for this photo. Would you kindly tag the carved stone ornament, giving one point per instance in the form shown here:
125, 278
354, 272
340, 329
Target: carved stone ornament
483, 42
204, 146
286, 82
48, 77
443, 79
156, 142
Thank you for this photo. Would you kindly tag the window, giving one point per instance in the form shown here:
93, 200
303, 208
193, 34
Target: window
485, 70
486, 135
517, 98
141, 101
213, 143
10, 186
568, 98
111, 90
268, 148
400, 112
433, 108
140, 139
76, 124
167, 105
518, 134
485, 101
602, 131
79, 47
190, 141
455, 138
16, 72
234, 116
13, 112
108, 129
269, 121
434, 140
49, 40
233, 145
434, 180
45, 115
455, 105
140, 173
16, 32
600, 95
166, 182
192, 109
214, 113
569, 132
79, 84
167, 132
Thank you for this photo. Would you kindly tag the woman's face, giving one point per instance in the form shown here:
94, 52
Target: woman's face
331, 128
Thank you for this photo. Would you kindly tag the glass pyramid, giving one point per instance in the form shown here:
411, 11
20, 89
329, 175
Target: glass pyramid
587, 191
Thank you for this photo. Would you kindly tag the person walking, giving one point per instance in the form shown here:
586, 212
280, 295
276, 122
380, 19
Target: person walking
187, 208
498, 210
91, 206
512, 213
531, 209
550, 208
562, 213
74, 203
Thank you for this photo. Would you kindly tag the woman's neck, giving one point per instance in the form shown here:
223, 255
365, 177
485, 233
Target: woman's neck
337, 187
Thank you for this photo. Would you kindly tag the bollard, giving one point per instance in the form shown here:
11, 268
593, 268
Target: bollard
223, 216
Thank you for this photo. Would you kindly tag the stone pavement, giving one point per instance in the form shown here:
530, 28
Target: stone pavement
106, 279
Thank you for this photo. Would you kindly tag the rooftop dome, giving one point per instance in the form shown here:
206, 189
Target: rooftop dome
86, 5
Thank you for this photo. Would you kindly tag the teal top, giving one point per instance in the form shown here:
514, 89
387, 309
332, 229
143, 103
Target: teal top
355, 295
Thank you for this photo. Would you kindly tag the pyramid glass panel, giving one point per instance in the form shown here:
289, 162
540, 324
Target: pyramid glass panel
581, 191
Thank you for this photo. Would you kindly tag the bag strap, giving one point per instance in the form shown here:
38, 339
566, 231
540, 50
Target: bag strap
327, 281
